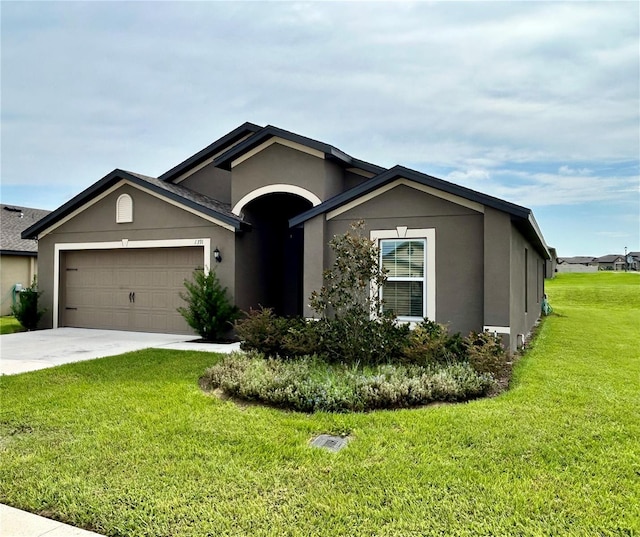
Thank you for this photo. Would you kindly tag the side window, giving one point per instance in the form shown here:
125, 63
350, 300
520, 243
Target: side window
404, 292
124, 209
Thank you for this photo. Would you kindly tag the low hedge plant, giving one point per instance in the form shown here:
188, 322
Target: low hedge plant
310, 384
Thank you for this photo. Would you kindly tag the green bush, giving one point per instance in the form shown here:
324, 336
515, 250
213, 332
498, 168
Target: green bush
263, 331
25, 310
208, 309
430, 343
486, 355
310, 384
351, 327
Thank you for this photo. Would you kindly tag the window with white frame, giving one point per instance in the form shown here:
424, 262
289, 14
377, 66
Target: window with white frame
408, 256
405, 289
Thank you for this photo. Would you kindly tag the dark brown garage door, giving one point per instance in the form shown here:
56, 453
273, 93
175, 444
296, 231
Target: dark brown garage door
134, 289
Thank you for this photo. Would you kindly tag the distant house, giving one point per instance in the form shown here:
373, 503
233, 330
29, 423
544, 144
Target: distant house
551, 264
577, 264
633, 260
611, 262
260, 205
18, 256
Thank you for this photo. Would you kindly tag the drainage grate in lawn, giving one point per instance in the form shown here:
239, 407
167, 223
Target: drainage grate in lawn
329, 442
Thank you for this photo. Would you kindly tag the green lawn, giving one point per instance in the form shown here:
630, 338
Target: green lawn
130, 446
9, 325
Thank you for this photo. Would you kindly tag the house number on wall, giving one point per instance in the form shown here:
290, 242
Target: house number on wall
198, 242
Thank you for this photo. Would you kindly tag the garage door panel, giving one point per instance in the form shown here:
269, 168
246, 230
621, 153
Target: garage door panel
98, 283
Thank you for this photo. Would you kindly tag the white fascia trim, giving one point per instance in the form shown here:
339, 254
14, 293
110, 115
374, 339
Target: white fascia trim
205, 243
115, 187
430, 236
281, 141
275, 189
478, 207
497, 329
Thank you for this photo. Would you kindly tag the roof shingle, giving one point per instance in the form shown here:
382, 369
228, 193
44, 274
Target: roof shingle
15, 220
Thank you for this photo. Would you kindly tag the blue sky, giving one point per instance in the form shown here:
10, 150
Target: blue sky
537, 103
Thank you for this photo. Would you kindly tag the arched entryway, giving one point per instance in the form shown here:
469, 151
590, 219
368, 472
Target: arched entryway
269, 258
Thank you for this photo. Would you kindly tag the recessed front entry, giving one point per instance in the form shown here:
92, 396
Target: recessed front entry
269, 258
126, 289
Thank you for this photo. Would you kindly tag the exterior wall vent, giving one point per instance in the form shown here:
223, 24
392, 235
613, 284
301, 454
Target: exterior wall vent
124, 209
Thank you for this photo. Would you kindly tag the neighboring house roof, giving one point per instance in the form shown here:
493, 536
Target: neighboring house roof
577, 260
209, 151
522, 216
332, 153
611, 258
14, 221
185, 196
634, 254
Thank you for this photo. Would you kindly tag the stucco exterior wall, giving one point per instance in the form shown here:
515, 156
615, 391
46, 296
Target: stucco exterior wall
278, 164
459, 247
153, 219
15, 269
210, 181
527, 287
315, 253
497, 260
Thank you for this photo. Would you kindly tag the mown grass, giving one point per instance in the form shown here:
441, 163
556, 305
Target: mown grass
9, 325
129, 445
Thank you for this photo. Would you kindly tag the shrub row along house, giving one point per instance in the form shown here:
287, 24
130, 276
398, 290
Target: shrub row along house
259, 205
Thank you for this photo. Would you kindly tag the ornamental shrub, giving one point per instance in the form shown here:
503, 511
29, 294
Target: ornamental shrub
486, 355
351, 327
263, 331
310, 384
208, 309
25, 310
430, 343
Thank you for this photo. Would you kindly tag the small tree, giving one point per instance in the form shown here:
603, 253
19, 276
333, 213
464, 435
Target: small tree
352, 326
25, 310
208, 309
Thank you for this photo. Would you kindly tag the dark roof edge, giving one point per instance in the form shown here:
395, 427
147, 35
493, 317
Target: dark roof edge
28, 253
211, 149
398, 172
331, 152
103, 184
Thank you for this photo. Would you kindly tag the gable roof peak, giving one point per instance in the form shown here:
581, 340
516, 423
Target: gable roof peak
226, 141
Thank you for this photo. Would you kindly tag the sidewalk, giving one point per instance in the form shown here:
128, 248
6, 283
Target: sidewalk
16, 523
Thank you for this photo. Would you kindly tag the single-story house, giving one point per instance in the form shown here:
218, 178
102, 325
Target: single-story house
611, 262
633, 260
260, 205
18, 256
580, 263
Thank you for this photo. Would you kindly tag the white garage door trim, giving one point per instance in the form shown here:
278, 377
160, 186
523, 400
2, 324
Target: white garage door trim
115, 245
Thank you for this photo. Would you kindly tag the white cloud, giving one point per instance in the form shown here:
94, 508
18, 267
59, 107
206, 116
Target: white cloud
490, 92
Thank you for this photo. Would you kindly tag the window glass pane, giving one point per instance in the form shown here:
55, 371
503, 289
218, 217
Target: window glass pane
404, 299
403, 258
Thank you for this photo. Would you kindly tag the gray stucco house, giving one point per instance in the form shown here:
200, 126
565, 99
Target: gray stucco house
259, 206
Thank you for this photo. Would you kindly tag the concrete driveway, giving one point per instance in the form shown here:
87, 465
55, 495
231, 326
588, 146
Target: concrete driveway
30, 351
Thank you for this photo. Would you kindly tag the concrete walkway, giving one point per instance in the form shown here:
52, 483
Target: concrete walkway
16, 523
31, 351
